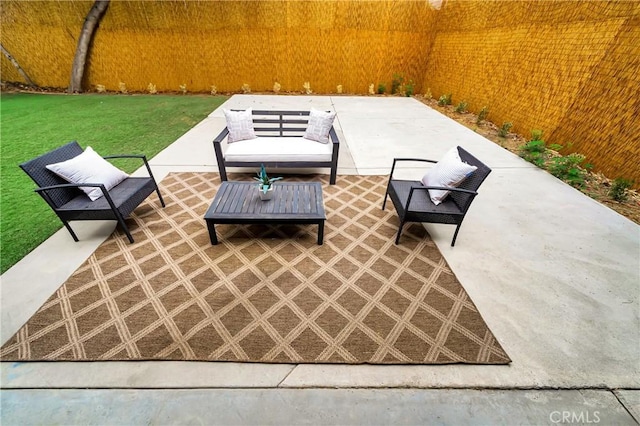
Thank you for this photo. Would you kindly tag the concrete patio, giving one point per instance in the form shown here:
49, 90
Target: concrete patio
555, 275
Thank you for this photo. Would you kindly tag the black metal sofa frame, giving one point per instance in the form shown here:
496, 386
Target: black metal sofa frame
284, 124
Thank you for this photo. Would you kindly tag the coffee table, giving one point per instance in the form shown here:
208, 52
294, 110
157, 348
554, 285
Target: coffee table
291, 203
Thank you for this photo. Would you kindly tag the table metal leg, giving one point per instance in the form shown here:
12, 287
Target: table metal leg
212, 232
320, 232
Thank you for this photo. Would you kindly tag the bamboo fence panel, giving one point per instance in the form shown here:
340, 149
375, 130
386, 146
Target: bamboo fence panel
569, 68
229, 44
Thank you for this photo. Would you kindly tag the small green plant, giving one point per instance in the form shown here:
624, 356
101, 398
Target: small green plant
264, 180
396, 83
462, 107
536, 135
568, 169
445, 100
618, 190
381, 88
482, 115
535, 152
409, 88
503, 131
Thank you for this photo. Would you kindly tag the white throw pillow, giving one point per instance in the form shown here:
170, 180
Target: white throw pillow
320, 123
240, 125
449, 171
89, 167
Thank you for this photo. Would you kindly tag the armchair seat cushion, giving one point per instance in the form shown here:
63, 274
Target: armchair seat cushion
278, 149
126, 196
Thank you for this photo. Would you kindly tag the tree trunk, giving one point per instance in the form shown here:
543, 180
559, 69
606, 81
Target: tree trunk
17, 65
84, 42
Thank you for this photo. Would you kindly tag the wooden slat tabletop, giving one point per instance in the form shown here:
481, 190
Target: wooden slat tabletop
291, 200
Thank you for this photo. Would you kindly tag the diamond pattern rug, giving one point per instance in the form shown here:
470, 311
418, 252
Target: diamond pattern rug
265, 293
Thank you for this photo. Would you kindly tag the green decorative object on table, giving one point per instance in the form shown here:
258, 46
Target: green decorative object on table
265, 185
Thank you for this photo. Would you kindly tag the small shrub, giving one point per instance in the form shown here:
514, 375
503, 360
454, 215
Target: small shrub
246, 88
183, 89
396, 83
307, 88
100, 88
151, 88
214, 90
409, 88
428, 94
568, 169
381, 88
445, 100
618, 190
482, 115
535, 152
339, 88
122, 88
504, 129
536, 135
276, 87
371, 89
461, 107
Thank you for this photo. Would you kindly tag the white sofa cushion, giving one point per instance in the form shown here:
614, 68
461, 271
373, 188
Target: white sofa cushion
320, 123
240, 125
281, 149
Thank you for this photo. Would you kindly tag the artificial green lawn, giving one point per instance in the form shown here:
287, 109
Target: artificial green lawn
32, 124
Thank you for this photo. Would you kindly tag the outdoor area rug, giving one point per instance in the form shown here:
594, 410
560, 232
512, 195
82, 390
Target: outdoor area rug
264, 294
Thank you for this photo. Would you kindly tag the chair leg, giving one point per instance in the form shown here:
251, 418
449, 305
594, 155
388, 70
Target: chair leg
399, 232
124, 226
455, 235
73, 234
160, 196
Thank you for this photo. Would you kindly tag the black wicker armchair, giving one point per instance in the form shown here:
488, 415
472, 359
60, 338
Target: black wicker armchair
70, 203
413, 204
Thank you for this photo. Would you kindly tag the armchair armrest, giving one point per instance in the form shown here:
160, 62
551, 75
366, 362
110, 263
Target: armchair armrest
140, 156
69, 185
44, 190
427, 188
396, 160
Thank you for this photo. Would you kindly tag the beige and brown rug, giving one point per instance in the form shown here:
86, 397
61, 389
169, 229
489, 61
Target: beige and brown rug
264, 294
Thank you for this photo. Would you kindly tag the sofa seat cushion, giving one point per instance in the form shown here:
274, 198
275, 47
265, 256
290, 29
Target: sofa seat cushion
278, 149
